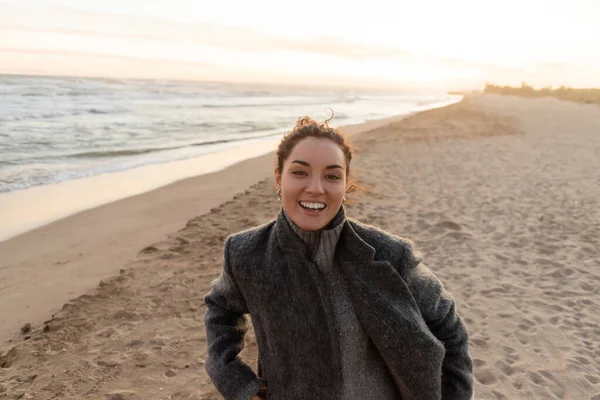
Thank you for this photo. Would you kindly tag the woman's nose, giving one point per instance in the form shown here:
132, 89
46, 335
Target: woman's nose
315, 186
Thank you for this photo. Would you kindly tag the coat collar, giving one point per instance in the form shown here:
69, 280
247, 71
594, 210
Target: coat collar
289, 242
351, 247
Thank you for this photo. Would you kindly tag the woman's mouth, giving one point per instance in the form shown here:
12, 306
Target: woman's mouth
315, 207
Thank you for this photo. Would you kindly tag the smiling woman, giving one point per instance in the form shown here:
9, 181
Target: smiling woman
341, 310
311, 176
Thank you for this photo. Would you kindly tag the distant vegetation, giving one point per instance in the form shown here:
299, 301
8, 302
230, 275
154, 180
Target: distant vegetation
589, 96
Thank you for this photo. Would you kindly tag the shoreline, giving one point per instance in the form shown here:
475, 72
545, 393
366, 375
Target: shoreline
25, 213
77, 195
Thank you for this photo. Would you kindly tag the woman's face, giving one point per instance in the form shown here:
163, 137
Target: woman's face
313, 183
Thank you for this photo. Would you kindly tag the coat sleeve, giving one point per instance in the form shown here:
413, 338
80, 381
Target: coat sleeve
226, 326
438, 310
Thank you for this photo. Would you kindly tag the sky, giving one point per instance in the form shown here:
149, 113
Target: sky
459, 44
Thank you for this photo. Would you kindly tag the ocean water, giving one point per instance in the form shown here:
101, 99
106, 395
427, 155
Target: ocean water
57, 129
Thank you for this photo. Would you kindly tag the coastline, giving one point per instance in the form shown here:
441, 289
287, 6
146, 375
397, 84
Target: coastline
37, 206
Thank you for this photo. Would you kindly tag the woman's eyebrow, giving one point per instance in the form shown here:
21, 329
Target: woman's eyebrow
301, 163
333, 166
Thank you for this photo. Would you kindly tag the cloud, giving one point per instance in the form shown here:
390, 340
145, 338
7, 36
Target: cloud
109, 27
209, 46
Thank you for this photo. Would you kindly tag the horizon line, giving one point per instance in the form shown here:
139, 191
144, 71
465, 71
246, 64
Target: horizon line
242, 81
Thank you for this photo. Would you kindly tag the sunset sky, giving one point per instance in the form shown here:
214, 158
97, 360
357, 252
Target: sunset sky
428, 43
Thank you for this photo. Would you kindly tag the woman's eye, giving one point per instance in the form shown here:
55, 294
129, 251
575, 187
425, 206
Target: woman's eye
299, 173
333, 177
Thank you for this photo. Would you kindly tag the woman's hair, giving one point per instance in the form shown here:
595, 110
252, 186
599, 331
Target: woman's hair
307, 127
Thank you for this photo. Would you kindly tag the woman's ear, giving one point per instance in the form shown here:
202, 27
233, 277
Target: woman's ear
277, 176
350, 186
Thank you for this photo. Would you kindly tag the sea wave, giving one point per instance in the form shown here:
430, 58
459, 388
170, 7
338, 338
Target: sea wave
136, 152
54, 129
52, 115
283, 103
98, 111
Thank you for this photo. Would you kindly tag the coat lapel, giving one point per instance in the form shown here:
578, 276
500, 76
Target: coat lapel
390, 315
298, 324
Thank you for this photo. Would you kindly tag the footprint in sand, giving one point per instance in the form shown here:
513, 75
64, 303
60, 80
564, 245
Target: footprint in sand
122, 395
588, 287
522, 338
527, 322
485, 376
479, 363
524, 327
456, 235
126, 315
499, 395
522, 262
546, 379
561, 272
506, 368
479, 342
537, 378
555, 320
106, 333
444, 227
582, 360
491, 291
518, 385
592, 379
107, 363
512, 358
553, 384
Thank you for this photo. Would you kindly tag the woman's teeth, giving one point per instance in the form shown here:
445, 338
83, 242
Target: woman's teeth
312, 206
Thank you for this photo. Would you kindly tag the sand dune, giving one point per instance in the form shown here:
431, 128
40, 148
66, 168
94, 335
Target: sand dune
500, 194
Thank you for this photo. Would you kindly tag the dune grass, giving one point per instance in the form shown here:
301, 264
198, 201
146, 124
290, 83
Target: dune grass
588, 96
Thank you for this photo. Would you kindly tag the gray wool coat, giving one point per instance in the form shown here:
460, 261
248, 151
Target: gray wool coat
403, 307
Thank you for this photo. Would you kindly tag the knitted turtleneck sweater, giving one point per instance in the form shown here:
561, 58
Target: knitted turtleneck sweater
365, 374
321, 244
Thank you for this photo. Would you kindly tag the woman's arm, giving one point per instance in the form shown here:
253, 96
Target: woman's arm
438, 310
226, 325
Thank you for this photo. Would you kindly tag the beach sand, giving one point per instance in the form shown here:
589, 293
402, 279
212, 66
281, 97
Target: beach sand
500, 194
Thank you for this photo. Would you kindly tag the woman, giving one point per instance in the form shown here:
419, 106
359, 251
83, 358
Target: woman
341, 310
